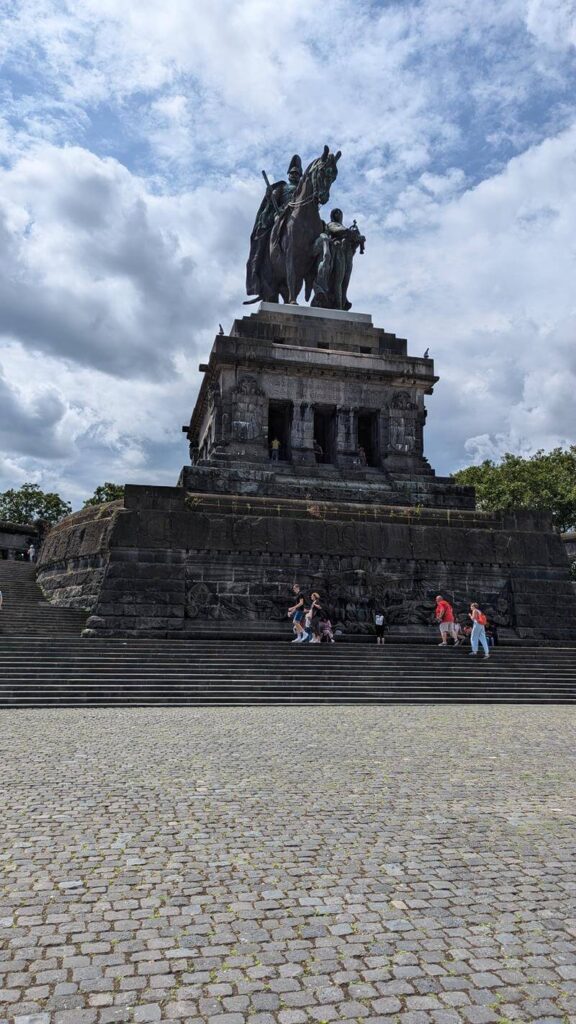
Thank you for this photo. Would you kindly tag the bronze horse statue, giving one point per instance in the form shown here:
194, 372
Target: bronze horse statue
292, 254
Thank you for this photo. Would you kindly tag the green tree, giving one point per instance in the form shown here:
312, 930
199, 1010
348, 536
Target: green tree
29, 503
105, 492
545, 481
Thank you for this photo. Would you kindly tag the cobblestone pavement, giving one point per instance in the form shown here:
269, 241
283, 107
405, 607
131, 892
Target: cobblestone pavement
287, 865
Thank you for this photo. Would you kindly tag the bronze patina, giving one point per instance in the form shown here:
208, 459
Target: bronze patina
291, 246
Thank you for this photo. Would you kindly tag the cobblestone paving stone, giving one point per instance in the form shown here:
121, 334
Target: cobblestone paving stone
288, 865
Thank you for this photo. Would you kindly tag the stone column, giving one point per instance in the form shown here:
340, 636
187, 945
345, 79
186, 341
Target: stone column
420, 422
346, 435
384, 432
302, 436
343, 435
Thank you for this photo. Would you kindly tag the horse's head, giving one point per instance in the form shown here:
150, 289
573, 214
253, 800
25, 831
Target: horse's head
321, 173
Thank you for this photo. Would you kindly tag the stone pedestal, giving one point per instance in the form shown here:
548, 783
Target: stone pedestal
165, 563
346, 397
350, 507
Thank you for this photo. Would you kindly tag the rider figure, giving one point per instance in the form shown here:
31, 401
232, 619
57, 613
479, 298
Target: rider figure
275, 201
284, 190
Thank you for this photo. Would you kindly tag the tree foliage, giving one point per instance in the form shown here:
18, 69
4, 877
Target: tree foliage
545, 481
29, 503
105, 492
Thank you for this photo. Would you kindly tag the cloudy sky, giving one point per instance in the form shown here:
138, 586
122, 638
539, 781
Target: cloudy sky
132, 135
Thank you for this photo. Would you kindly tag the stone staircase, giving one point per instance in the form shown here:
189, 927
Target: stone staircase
44, 662
67, 672
26, 613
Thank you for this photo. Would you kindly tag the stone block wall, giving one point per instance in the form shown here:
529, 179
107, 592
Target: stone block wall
74, 556
172, 564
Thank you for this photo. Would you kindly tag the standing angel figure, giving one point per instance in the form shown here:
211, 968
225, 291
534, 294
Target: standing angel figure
335, 248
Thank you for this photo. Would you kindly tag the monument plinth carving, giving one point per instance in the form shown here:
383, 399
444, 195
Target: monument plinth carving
306, 462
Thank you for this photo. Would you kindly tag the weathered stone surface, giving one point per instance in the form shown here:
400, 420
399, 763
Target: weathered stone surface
222, 549
74, 556
338, 383
223, 560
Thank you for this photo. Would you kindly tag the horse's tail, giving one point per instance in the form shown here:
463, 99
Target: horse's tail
250, 302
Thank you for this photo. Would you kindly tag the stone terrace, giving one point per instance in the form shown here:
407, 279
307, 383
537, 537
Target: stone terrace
288, 865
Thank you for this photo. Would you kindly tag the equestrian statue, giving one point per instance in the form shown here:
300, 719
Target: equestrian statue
291, 246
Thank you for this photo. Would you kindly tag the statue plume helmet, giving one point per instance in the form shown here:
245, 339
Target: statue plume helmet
295, 164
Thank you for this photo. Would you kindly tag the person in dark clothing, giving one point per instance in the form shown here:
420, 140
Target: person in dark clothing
380, 624
297, 613
492, 634
312, 618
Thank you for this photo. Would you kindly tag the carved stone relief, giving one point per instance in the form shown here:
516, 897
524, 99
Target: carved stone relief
350, 597
402, 424
248, 410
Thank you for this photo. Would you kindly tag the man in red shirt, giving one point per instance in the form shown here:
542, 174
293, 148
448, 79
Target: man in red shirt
445, 619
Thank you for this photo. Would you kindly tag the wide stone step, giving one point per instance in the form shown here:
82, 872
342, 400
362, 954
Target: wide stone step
26, 613
103, 673
205, 661
105, 690
248, 700
321, 662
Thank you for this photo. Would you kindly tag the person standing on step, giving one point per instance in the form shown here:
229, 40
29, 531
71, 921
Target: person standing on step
297, 613
457, 633
479, 621
32, 552
380, 625
275, 449
311, 619
444, 615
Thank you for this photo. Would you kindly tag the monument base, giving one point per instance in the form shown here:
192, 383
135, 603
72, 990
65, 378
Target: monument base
307, 465
299, 402
325, 483
166, 563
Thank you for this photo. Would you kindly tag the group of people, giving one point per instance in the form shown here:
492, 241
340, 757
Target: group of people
310, 622
477, 630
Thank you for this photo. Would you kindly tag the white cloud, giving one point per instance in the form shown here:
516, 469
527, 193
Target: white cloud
133, 137
30, 422
219, 80
98, 269
487, 281
552, 22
